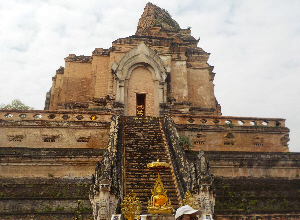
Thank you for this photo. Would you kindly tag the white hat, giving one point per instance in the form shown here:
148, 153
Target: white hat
186, 210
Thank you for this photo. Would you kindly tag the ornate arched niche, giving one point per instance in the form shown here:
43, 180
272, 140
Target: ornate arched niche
141, 77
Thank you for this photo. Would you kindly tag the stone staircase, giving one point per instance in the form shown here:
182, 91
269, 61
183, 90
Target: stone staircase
144, 143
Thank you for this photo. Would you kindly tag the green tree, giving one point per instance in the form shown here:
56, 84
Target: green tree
16, 104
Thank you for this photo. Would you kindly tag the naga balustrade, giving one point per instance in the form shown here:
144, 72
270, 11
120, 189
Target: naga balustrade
228, 120
106, 117
41, 115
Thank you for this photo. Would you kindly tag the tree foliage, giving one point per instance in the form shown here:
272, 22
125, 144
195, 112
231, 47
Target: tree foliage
16, 104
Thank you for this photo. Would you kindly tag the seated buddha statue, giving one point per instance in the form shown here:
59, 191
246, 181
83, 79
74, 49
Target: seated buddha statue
159, 199
159, 202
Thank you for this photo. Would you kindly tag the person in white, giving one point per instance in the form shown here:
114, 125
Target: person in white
187, 213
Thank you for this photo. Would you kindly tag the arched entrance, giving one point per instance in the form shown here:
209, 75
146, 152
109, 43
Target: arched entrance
140, 82
140, 93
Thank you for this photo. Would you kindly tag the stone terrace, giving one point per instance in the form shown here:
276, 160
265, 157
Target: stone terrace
44, 198
237, 197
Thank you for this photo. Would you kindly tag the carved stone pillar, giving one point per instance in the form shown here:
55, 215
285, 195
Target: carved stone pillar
103, 202
205, 192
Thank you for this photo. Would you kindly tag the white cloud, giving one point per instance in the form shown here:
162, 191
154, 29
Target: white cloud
254, 47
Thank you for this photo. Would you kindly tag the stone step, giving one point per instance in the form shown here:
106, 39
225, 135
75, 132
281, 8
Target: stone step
149, 184
170, 192
146, 145
137, 148
148, 157
152, 176
136, 164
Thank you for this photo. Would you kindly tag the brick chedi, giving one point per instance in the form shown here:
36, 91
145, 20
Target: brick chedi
149, 96
161, 68
166, 66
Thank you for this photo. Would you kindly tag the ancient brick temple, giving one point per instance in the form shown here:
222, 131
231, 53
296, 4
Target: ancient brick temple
150, 96
160, 71
159, 68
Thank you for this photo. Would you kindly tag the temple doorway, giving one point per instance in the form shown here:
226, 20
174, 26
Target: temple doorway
140, 93
140, 104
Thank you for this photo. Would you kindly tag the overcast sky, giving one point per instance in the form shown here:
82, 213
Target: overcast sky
254, 46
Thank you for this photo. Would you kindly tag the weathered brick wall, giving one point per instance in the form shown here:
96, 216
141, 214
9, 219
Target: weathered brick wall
252, 164
258, 217
77, 71
48, 162
243, 139
56, 89
44, 198
68, 136
53, 129
201, 88
79, 74
221, 133
101, 68
257, 198
85, 78
179, 86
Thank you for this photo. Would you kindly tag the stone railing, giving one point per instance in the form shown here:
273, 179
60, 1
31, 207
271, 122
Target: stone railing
107, 187
228, 120
178, 159
41, 115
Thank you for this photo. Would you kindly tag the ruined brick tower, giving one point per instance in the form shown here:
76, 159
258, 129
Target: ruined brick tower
159, 68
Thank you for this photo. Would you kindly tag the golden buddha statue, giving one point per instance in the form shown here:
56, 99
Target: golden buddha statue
159, 202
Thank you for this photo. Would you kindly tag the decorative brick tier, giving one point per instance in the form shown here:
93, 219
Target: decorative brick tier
44, 198
257, 198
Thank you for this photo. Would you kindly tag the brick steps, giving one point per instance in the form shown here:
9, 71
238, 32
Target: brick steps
149, 185
144, 143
